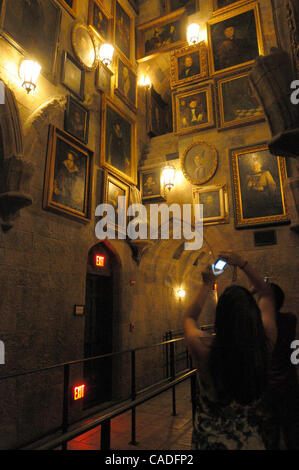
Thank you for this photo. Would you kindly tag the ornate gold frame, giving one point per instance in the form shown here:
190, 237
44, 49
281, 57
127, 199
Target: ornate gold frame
225, 16
132, 30
204, 88
223, 218
143, 172
75, 27
213, 170
108, 16
118, 92
186, 50
133, 178
117, 182
236, 123
158, 22
240, 222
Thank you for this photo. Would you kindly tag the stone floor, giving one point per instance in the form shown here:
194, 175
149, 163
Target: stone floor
156, 428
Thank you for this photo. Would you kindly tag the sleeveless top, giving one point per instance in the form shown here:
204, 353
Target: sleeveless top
225, 427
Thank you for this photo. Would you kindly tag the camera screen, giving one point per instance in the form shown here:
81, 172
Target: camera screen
220, 264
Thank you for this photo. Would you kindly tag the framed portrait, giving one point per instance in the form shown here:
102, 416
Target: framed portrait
215, 203
199, 162
159, 114
126, 84
124, 27
100, 20
76, 120
118, 150
72, 76
150, 184
221, 6
113, 189
258, 179
188, 65
238, 104
193, 109
161, 34
191, 5
103, 79
68, 176
70, 6
235, 38
33, 28
84, 46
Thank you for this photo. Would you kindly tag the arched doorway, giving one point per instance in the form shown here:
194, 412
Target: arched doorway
101, 308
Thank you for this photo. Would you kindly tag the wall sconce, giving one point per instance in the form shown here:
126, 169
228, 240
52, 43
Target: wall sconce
181, 293
145, 81
29, 72
168, 174
106, 54
193, 34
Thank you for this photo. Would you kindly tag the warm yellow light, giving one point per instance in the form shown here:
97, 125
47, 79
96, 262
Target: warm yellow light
29, 72
145, 81
168, 175
181, 293
203, 35
106, 54
193, 33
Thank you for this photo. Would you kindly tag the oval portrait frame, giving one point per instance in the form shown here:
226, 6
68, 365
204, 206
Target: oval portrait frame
76, 26
211, 171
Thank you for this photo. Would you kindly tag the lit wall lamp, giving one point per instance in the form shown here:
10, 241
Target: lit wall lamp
145, 81
168, 174
193, 34
181, 293
29, 72
106, 54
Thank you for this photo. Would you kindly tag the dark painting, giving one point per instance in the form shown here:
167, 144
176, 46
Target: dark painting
211, 204
151, 187
77, 120
225, 3
34, 26
188, 4
118, 142
261, 194
100, 22
162, 36
188, 65
127, 82
123, 31
193, 110
70, 175
234, 41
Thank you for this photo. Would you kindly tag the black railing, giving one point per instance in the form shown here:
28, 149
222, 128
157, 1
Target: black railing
69, 430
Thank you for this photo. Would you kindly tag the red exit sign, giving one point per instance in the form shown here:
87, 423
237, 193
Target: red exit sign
79, 392
100, 261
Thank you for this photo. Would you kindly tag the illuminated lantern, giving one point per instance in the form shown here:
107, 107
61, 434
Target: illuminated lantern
106, 54
29, 72
168, 177
193, 34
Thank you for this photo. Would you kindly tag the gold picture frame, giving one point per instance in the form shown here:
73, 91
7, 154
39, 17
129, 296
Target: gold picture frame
84, 46
102, 26
124, 30
196, 69
112, 189
161, 34
236, 102
218, 9
215, 203
199, 162
235, 39
119, 141
72, 10
258, 178
151, 184
193, 109
68, 176
103, 79
126, 84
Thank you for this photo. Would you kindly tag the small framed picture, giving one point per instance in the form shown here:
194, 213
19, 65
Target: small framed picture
76, 121
258, 183
193, 109
215, 203
103, 79
124, 27
68, 176
114, 189
189, 64
126, 84
199, 162
70, 6
84, 46
150, 184
100, 20
238, 104
72, 76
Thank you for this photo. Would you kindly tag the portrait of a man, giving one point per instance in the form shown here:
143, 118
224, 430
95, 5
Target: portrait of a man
77, 120
188, 66
211, 204
193, 110
126, 83
118, 142
123, 31
234, 41
151, 187
200, 163
69, 177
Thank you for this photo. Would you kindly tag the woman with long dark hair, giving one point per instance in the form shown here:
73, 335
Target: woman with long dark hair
232, 363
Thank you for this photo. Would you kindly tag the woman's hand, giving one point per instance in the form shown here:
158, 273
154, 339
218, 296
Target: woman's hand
208, 276
232, 258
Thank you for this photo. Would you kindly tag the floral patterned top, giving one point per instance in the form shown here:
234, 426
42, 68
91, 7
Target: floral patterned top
230, 427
